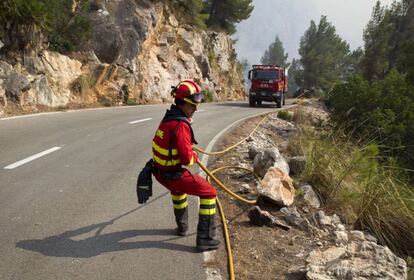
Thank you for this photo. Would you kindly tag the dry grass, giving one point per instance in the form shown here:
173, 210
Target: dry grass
370, 192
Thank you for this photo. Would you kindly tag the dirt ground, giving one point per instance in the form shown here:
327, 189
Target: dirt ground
258, 252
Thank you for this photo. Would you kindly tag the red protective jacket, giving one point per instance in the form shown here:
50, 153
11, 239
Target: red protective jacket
172, 145
172, 148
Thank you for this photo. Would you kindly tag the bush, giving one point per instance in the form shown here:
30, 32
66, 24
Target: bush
65, 23
285, 115
208, 97
371, 196
382, 111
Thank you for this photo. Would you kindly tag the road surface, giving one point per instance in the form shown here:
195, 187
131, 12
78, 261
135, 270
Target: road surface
68, 202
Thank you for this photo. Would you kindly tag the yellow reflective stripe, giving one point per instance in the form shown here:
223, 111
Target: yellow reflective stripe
162, 151
190, 87
207, 201
164, 162
178, 197
181, 206
207, 211
190, 101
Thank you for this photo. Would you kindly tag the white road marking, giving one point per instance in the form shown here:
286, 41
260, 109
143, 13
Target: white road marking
36, 156
198, 111
143, 120
29, 115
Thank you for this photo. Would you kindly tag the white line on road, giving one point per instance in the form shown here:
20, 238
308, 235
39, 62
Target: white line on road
198, 111
36, 156
143, 120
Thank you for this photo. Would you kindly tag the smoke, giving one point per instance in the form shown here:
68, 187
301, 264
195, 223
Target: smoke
289, 19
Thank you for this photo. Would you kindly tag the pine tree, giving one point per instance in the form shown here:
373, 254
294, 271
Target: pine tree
323, 55
224, 14
295, 77
275, 54
377, 37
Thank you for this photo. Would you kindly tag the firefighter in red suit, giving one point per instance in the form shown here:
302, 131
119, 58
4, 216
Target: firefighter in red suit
171, 149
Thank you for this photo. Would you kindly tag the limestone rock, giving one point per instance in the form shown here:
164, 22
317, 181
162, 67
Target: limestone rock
267, 158
277, 187
3, 98
293, 218
297, 165
264, 218
14, 82
357, 235
323, 219
309, 196
357, 260
341, 237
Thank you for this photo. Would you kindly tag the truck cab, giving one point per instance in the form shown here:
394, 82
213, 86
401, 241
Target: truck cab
268, 83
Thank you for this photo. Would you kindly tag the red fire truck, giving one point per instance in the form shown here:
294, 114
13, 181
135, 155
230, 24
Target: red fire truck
268, 83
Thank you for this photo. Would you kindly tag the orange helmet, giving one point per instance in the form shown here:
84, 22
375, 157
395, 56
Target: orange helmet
188, 91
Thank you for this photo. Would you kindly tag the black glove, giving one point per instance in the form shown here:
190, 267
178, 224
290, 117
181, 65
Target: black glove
144, 184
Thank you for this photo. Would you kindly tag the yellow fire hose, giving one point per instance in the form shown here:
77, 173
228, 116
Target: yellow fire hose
210, 175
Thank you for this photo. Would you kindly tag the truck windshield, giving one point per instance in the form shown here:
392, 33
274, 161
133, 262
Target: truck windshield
265, 75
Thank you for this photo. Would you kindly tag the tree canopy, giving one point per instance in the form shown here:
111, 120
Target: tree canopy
220, 15
275, 54
65, 23
323, 55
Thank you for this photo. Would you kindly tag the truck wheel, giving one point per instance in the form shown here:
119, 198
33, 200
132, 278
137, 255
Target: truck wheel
252, 102
259, 103
279, 104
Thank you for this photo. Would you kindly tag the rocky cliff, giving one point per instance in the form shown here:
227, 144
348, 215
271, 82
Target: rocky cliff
139, 47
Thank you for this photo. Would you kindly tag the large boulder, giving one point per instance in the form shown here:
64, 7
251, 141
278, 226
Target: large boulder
277, 187
356, 260
267, 158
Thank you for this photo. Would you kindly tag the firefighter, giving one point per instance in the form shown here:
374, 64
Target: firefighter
171, 149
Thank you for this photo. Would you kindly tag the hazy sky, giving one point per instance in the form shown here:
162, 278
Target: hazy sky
290, 18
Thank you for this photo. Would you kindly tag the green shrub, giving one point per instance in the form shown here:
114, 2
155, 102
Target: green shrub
208, 96
285, 115
370, 192
65, 24
131, 102
382, 111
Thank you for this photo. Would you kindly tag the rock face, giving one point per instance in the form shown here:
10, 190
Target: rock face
277, 187
138, 44
357, 260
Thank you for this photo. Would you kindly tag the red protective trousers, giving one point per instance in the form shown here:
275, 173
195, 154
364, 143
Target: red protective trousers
189, 184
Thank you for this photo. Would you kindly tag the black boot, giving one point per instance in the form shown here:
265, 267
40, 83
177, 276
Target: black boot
205, 233
181, 217
181, 213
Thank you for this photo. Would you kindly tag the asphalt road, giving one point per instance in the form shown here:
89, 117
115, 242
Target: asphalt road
72, 213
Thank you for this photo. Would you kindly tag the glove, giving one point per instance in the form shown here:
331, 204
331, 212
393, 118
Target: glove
144, 183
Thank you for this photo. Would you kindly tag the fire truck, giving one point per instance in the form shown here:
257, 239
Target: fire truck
268, 83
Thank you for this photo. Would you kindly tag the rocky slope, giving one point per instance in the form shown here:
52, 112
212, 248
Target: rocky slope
289, 234
139, 47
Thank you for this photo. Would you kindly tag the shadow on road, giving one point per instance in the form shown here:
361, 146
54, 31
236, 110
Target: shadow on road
63, 245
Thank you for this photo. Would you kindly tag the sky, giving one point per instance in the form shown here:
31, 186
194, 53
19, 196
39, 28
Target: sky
289, 19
